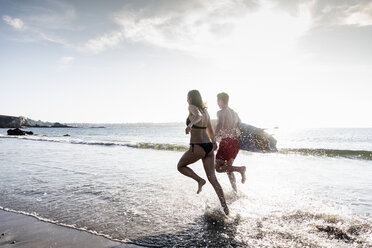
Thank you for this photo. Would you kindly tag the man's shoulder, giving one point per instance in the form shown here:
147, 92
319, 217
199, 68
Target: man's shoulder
233, 111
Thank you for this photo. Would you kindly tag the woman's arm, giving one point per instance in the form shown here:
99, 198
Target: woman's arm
194, 111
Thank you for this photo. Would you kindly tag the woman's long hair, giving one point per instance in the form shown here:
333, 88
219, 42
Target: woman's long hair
196, 99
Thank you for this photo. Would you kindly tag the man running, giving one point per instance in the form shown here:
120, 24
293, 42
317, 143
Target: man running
227, 132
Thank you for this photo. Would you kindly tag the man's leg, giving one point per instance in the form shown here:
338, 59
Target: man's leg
221, 166
231, 175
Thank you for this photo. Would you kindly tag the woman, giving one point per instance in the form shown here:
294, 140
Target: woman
202, 146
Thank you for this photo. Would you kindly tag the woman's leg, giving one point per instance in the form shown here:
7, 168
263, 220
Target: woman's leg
208, 163
189, 157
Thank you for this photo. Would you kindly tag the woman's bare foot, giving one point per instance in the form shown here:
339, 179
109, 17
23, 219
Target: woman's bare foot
242, 172
200, 185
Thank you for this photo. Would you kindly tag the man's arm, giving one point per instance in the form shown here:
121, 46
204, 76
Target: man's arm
220, 124
238, 132
238, 118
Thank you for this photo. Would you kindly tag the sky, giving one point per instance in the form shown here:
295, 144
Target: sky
284, 63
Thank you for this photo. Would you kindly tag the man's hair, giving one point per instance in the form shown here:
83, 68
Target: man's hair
224, 97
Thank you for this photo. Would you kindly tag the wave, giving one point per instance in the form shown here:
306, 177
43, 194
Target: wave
36, 216
64, 140
351, 154
298, 228
168, 147
141, 145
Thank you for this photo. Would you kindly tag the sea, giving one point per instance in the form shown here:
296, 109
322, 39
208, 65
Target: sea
121, 181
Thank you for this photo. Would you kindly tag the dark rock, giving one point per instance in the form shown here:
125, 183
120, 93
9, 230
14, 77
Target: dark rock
13, 242
40, 126
11, 121
18, 122
57, 124
18, 131
256, 139
66, 135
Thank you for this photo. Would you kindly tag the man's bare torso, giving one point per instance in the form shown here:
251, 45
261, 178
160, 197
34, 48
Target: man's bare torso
227, 123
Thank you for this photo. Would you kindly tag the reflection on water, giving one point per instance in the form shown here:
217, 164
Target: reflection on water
212, 229
299, 229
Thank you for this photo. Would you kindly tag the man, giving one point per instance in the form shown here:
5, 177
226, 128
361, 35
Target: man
227, 132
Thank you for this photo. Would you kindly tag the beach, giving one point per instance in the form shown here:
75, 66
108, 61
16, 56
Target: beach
106, 103
18, 230
121, 182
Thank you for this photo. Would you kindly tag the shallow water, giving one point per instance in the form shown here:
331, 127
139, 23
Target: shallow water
137, 195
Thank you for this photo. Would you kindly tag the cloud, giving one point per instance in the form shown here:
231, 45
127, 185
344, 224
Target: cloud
333, 12
47, 21
14, 22
341, 30
42, 27
191, 26
50, 38
344, 44
58, 17
360, 14
104, 42
66, 60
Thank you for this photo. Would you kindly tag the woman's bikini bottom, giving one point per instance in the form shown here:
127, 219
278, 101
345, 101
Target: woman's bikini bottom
207, 147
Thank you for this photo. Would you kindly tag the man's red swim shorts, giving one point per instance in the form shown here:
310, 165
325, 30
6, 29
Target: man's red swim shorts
228, 149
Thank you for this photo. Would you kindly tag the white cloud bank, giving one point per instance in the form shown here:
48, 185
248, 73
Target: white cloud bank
14, 22
359, 14
228, 28
206, 26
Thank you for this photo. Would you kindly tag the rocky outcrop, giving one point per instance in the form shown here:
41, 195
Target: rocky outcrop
256, 139
57, 124
253, 139
18, 131
11, 121
18, 122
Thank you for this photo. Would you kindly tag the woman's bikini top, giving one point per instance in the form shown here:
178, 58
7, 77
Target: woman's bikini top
194, 126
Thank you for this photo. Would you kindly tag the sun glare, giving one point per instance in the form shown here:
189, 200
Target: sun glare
258, 62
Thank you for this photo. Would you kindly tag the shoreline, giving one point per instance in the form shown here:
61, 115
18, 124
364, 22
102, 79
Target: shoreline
18, 230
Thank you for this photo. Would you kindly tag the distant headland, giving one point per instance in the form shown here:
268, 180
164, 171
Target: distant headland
18, 122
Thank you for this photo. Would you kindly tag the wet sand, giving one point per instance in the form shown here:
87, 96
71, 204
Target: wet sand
17, 230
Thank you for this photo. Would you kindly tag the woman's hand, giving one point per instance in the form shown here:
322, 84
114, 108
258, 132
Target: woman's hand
214, 146
188, 129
